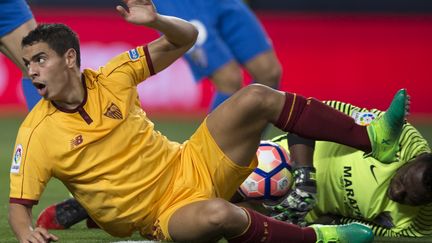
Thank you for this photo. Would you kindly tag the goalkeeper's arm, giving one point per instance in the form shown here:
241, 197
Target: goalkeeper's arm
301, 151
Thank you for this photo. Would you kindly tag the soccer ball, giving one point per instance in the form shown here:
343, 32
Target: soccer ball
272, 179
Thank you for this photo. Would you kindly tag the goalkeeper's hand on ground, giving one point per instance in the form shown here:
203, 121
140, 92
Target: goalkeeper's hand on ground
299, 201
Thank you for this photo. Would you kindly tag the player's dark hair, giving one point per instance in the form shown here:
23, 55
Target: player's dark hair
59, 37
427, 176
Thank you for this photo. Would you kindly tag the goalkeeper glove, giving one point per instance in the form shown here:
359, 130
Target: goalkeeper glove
299, 201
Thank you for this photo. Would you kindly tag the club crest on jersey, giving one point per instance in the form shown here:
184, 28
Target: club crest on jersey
133, 54
16, 160
363, 118
113, 112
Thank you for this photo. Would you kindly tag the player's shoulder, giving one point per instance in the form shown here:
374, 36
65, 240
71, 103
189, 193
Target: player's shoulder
38, 114
30, 128
412, 143
123, 58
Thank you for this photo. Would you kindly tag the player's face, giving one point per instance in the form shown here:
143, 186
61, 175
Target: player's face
407, 187
47, 70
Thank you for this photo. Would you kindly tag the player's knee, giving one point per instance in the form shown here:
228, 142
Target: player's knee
255, 97
218, 213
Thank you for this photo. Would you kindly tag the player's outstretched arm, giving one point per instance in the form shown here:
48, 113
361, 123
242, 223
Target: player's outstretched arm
178, 35
20, 220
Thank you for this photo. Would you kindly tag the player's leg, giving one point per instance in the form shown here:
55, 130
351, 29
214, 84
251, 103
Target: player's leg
384, 131
11, 47
237, 124
265, 69
211, 56
62, 215
249, 43
213, 219
210, 218
227, 80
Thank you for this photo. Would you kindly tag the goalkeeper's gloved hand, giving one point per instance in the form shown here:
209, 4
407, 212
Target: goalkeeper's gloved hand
299, 201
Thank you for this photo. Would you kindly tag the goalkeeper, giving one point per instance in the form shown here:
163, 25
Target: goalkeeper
393, 198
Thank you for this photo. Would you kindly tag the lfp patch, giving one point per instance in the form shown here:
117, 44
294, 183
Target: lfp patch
133, 54
363, 118
16, 160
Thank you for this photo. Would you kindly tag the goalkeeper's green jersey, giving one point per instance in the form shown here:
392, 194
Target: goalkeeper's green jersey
355, 187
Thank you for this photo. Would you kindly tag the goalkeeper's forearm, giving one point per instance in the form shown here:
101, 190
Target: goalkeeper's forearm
301, 150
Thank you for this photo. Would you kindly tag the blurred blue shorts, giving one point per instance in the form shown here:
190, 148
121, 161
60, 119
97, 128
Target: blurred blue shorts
228, 30
13, 13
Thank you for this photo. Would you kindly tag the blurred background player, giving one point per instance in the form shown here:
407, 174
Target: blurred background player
394, 199
230, 37
16, 21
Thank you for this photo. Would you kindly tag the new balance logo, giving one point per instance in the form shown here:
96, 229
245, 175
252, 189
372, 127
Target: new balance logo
76, 141
113, 112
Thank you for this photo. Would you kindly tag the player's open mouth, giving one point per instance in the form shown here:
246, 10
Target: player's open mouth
41, 88
39, 85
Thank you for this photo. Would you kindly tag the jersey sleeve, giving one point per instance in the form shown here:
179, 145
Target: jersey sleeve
30, 171
129, 68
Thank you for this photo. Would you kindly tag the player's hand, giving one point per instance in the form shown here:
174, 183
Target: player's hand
41, 235
299, 201
140, 12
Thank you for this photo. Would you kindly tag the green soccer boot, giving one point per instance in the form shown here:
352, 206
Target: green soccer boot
384, 131
347, 233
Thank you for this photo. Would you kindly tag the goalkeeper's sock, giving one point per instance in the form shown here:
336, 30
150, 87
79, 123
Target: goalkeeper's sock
218, 98
310, 118
265, 229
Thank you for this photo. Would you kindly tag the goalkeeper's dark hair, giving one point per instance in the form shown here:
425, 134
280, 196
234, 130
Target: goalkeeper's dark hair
59, 37
427, 176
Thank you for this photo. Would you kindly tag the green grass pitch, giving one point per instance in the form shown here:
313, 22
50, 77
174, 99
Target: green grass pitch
176, 129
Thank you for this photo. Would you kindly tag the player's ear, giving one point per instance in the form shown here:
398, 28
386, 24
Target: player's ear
71, 58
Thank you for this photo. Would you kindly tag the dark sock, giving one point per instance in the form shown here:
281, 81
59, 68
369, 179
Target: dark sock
266, 229
310, 118
70, 212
